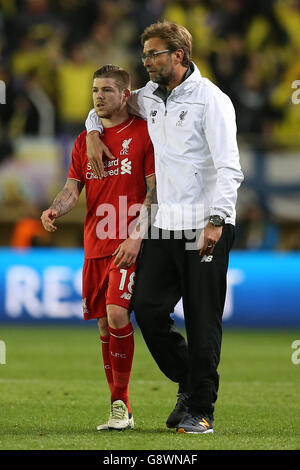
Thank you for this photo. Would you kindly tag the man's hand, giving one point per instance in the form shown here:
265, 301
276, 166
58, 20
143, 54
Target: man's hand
127, 252
209, 238
96, 150
48, 218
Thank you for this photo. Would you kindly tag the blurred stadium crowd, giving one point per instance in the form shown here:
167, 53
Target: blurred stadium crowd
250, 48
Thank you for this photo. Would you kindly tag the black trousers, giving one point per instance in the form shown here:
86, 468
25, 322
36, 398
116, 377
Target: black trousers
167, 272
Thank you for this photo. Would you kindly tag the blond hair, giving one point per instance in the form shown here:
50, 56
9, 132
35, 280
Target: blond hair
121, 76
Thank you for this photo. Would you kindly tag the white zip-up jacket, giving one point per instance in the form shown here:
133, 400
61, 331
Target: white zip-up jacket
197, 163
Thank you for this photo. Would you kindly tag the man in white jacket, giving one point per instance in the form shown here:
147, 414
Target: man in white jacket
192, 126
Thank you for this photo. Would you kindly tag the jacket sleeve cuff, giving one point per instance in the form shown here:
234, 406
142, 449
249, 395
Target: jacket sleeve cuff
220, 212
93, 122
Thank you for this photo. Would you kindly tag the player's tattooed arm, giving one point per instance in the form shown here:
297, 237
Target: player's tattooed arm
64, 202
149, 207
67, 198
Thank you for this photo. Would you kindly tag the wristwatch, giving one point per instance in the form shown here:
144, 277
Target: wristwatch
217, 220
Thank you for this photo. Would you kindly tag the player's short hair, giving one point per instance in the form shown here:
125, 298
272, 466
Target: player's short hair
175, 36
121, 76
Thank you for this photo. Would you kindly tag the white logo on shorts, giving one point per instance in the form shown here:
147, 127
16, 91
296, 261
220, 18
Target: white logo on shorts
84, 306
126, 296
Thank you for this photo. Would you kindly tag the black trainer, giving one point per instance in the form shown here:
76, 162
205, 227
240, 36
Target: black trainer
180, 410
192, 424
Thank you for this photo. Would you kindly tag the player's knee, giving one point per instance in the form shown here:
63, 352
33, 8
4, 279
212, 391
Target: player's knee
117, 316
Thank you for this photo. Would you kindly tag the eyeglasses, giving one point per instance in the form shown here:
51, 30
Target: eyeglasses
152, 55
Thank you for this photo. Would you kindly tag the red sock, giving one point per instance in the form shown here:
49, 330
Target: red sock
121, 349
105, 340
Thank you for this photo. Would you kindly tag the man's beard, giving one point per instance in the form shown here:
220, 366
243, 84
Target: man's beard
164, 78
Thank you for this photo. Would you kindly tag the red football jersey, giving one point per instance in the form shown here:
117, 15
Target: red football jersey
113, 202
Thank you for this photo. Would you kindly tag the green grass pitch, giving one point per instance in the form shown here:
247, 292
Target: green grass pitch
54, 394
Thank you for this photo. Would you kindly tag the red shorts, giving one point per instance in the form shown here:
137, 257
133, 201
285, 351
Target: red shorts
104, 284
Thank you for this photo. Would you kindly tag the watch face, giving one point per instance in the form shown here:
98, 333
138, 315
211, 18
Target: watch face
217, 220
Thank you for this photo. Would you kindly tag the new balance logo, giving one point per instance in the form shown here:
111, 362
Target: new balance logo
207, 259
126, 296
153, 114
125, 166
204, 423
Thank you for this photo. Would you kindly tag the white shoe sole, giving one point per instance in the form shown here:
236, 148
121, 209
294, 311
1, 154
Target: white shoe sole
102, 427
106, 427
183, 431
121, 426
